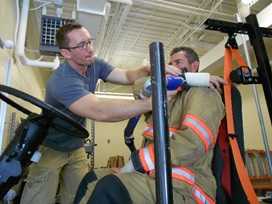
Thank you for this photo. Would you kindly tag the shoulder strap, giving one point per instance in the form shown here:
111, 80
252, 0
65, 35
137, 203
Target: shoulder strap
128, 133
239, 163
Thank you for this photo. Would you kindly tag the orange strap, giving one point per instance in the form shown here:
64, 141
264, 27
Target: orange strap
239, 163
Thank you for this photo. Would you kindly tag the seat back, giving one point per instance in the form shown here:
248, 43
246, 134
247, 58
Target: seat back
229, 188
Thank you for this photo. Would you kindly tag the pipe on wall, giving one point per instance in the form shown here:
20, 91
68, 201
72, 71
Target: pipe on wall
20, 45
3, 105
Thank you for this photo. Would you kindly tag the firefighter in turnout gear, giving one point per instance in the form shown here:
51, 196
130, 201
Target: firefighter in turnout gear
194, 116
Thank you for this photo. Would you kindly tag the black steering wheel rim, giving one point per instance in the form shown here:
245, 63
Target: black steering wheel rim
47, 109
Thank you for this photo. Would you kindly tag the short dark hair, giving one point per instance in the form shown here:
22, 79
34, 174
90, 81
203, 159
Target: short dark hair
191, 55
61, 36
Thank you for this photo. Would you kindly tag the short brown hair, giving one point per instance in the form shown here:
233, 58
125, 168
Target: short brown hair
61, 36
191, 55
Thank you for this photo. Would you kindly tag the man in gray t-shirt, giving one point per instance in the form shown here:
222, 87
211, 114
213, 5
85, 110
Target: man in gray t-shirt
71, 89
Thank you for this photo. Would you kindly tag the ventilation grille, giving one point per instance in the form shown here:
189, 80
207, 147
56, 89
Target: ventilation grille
49, 28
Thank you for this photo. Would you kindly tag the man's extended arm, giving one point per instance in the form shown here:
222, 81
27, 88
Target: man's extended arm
90, 106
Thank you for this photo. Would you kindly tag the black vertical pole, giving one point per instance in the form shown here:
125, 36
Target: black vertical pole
264, 69
164, 192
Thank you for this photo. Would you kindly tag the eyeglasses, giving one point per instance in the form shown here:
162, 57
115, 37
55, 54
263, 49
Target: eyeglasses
82, 45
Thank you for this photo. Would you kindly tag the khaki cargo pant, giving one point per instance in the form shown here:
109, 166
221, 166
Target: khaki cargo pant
56, 171
141, 189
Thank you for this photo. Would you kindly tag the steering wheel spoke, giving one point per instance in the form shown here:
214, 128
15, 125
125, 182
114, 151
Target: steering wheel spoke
47, 110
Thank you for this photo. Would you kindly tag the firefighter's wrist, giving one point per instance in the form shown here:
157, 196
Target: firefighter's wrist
128, 167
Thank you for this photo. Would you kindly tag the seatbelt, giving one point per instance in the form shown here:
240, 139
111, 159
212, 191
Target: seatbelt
128, 133
230, 53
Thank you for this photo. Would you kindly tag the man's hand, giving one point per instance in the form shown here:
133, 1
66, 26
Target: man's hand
216, 82
169, 69
147, 69
172, 70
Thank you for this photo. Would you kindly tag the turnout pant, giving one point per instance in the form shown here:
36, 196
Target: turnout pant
126, 188
55, 172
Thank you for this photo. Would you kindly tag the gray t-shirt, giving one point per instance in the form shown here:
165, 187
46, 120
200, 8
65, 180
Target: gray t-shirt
64, 87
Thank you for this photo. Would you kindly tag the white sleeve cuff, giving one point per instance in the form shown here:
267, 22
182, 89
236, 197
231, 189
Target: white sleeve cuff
197, 79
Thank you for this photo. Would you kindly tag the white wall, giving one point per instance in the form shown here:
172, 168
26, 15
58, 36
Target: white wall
30, 80
109, 138
252, 131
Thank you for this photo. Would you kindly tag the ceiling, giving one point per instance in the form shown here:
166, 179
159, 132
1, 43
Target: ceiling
128, 30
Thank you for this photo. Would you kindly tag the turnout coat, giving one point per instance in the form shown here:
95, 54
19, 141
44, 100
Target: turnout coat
194, 117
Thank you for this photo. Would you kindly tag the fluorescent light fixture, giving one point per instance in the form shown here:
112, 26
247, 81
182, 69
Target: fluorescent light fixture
113, 95
249, 2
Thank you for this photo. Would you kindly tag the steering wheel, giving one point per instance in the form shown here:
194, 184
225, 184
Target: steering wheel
23, 148
47, 110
